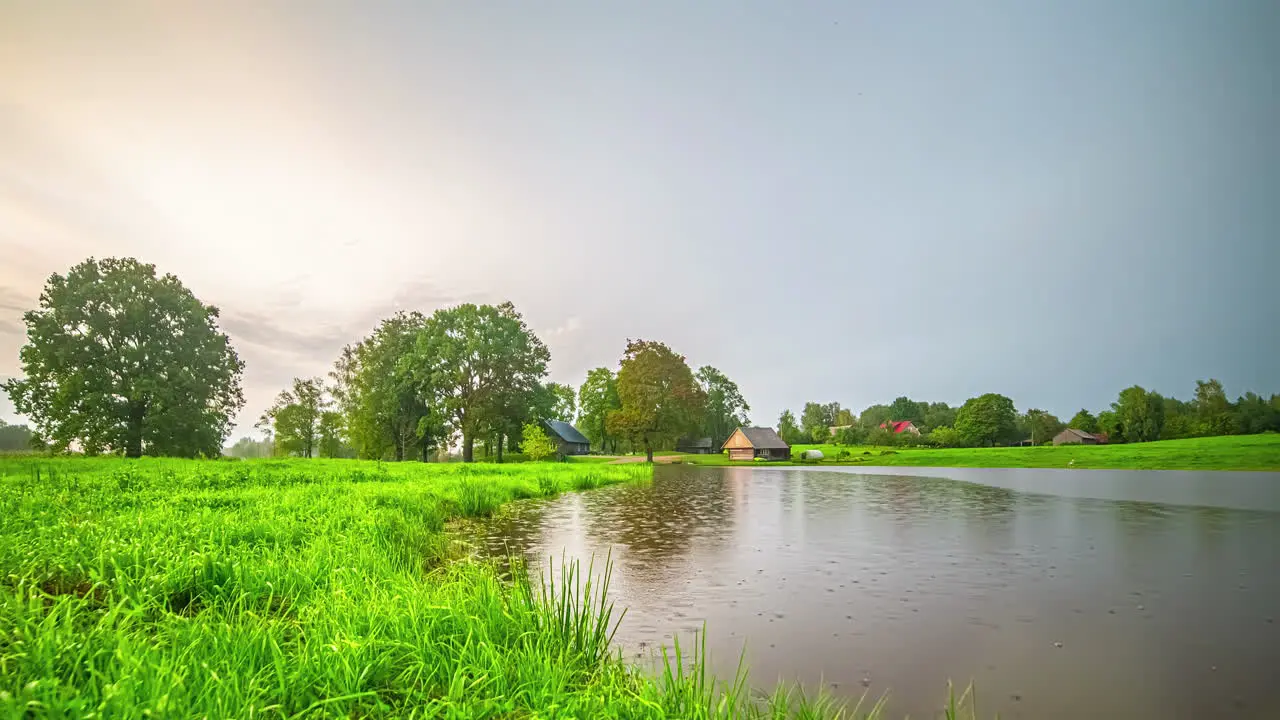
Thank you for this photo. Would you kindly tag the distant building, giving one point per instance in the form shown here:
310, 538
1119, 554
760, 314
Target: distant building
696, 446
901, 426
748, 443
835, 429
1072, 436
567, 437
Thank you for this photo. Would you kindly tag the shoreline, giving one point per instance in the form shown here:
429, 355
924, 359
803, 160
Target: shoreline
314, 587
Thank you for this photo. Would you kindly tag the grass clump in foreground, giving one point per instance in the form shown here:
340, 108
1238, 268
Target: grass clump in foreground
289, 588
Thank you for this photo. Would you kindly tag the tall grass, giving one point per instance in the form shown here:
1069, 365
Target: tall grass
283, 589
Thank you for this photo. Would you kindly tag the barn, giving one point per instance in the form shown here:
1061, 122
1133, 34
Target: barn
1072, 436
749, 443
567, 437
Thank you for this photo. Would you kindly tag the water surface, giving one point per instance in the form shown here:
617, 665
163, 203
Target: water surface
1096, 602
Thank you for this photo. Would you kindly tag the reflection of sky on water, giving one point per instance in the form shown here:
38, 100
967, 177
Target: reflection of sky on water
906, 582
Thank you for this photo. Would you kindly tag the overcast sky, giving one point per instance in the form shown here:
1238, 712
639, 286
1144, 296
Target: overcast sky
827, 201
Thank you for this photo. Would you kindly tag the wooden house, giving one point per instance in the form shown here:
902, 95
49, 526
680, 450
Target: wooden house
1072, 436
749, 443
567, 437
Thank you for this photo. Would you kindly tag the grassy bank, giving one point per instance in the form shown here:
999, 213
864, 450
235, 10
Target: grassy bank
287, 588
1237, 452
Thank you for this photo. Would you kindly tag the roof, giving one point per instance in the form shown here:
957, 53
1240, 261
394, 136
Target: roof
695, 442
763, 438
898, 425
567, 432
1081, 434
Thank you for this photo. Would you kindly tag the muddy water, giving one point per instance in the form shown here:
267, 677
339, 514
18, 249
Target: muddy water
1091, 603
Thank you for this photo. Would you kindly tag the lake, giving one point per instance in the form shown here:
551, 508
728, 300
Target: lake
1058, 593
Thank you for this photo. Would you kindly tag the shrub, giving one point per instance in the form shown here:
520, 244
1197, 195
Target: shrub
945, 437
536, 443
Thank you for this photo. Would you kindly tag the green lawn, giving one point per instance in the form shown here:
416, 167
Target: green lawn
1236, 452
590, 459
307, 588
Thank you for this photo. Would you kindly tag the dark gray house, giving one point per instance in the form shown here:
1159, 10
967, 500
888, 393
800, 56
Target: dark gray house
567, 437
695, 446
748, 443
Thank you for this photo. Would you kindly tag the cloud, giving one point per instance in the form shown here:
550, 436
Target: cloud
571, 325
12, 305
14, 302
278, 334
58, 190
289, 326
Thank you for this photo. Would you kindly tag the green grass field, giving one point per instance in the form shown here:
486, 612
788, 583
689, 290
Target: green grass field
308, 588
1235, 452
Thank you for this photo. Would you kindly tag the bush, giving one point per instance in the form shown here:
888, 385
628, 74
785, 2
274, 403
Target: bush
908, 439
536, 444
852, 435
881, 437
945, 437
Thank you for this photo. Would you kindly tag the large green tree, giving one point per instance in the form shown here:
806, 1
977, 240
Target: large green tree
986, 420
1039, 425
120, 359
813, 421
1254, 414
939, 414
295, 417
1109, 425
853, 434
564, 406
904, 408
873, 417
1213, 411
660, 400
332, 433
788, 430
248, 447
945, 436
1084, 420
831, 413
1139, 413
516, 408
14, 437
389, 410
485, 364
726, 408
1180, 420
597, 397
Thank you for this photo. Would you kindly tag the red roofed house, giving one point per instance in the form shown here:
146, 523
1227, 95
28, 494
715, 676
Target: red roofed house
901, 426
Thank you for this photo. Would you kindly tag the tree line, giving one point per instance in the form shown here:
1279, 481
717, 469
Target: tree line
474, 375
1137, 415
120, 359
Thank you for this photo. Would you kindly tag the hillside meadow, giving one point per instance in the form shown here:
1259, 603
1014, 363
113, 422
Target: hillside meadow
310, 588
1232, 452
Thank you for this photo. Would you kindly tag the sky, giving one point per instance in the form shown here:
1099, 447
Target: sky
837, 201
